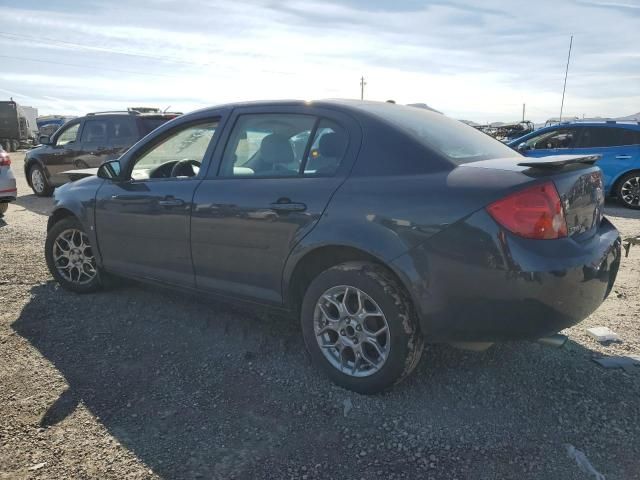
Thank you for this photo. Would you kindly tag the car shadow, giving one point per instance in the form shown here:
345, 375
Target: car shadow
613, 208
196, 388
35, 204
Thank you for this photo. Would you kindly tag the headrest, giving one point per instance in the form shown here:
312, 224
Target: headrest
332, 145
275, 148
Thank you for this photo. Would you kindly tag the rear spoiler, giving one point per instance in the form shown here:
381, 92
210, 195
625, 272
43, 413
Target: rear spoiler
559, 161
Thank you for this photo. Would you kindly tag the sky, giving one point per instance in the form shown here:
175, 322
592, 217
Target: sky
471, 60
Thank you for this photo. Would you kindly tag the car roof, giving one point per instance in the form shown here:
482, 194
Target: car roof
597, 123
351, 105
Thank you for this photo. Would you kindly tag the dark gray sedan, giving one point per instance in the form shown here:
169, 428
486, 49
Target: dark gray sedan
379, 226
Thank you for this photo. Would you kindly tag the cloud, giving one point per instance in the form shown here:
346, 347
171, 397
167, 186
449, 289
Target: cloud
477, 61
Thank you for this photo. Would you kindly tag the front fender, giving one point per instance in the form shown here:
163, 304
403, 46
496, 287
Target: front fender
78, 199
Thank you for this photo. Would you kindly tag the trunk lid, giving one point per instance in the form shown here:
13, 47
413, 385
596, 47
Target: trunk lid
577, 179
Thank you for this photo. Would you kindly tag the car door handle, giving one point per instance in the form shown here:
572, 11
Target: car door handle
129, 197
623, 157
170, 202
288, 207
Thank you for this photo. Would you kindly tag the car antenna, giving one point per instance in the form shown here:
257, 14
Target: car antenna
165, 110
566, 73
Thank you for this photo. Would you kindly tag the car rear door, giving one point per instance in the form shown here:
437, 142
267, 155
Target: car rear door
143, 223
269, 190
617, 146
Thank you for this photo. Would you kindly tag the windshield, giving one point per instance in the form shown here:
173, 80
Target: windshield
456, 141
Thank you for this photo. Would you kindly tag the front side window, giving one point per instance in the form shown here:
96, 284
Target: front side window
561, 138
68, 135
178, 155
267, 145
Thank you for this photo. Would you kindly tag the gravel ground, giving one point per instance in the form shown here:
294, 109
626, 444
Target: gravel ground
139, 382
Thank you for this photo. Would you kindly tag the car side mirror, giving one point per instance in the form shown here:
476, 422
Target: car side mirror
110, 170
523, 147
44, 139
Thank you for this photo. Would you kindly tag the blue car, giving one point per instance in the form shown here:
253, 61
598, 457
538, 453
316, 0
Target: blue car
618, 143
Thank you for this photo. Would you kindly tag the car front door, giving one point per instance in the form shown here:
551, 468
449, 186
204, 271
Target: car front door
60, 155
105, 138
142, 221
275, 178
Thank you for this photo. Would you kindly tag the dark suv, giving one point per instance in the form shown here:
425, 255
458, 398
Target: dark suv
86, 142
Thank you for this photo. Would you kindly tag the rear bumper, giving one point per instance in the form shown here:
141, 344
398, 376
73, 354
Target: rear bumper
8, 191
476, 282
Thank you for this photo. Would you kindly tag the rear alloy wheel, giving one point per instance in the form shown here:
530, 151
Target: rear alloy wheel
39, 183
70, 257
629, 190
359, 327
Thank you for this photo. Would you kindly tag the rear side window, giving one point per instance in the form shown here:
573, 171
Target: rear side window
630, 137
267, 145
454, 140
593, 137
327, 150
149, 124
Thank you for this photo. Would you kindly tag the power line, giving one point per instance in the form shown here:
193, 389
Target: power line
90, 67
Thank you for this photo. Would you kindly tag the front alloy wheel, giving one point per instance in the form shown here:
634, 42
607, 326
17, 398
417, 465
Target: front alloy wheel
73, 257
360, 327
70, 257
39, 182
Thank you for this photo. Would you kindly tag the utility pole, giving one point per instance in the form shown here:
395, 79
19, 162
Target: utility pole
524, 105
362, 84
565, 77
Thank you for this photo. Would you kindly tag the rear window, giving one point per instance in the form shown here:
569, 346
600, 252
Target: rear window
149, 124
456, 141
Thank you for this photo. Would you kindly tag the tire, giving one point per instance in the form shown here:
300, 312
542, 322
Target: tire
15, 145
68, 235
364, 370
3, 208
628, 190
39, 183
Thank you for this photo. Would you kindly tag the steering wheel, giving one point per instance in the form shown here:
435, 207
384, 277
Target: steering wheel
181, 164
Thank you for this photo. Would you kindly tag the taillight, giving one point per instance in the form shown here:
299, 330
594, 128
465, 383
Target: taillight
5, 160
535, 212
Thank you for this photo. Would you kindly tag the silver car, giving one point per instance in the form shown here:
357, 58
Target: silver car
8, 191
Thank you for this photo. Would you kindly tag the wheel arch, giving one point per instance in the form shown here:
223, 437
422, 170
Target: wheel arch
316, 260
59, 214
29, 165
616, 183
